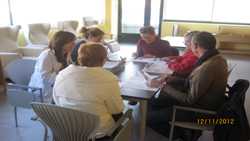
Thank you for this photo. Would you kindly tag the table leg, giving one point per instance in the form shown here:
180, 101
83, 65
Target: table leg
143, 110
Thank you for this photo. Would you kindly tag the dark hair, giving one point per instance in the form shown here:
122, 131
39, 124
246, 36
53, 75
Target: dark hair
57, 41
91, 54
147, 29
191, 34
205, 40
94, 31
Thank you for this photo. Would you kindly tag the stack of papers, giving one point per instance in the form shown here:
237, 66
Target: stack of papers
139, 82
112, 66
158, 66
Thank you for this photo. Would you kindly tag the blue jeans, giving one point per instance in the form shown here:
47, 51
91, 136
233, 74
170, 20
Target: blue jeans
160, 113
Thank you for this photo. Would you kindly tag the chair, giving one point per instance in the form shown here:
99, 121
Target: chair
175, 51
72, 125
230, 67
238, 90
9, 49
70, 26
175, 30
37, 34
89, 22
114, 47
20, 71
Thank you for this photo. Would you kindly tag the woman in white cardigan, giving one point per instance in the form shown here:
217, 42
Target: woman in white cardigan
89, 87
50, 62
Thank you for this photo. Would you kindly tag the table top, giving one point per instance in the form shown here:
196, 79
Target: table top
175, 41
125, 74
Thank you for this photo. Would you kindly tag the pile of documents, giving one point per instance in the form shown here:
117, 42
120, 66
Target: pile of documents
112, 65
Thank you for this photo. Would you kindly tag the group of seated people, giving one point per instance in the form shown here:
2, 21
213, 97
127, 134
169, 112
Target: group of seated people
71, 75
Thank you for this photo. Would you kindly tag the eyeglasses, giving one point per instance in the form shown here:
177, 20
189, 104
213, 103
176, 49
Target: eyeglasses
186, 42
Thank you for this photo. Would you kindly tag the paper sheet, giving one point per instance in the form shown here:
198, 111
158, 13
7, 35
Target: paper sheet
145, 60
139, 82
110, 64
121, 84
157, 67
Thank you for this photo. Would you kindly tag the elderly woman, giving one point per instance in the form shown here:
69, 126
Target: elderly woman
89, 87
183, 65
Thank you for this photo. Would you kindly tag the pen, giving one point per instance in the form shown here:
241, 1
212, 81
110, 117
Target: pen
121, 57
111, 61
157, 77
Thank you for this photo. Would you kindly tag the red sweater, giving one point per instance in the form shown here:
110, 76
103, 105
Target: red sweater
159, 48
184, 64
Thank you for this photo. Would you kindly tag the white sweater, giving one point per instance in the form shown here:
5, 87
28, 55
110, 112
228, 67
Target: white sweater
45, 73
89, 89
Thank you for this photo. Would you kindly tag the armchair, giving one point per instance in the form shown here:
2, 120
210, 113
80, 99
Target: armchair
37, 35
70, 26
88, 21
9, 49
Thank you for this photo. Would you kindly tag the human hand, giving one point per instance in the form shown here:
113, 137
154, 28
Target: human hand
135, 54
174, 60
148, 56
166, 59
154, 83
167, 79
122, 62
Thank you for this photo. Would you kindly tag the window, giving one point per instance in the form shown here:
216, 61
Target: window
4, 13
191, 10
231, 11
226, 11
52, 11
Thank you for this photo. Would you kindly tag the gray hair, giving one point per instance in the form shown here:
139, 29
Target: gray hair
204, 40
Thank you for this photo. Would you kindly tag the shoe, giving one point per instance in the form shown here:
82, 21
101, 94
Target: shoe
191, 135
132, 103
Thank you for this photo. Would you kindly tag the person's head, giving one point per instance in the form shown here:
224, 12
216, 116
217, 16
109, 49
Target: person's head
62, 42
91, 34
203, 41
148, 34
92, 55
187, 39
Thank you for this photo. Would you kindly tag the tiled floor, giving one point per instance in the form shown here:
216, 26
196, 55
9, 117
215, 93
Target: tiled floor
33, 131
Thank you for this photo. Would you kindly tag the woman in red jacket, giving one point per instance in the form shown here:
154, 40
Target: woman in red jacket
151, 46
183, 65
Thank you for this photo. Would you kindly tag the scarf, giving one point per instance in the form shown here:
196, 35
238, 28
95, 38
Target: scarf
199, 62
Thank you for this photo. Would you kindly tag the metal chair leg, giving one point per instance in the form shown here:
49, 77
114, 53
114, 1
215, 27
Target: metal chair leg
172, 126
15, 115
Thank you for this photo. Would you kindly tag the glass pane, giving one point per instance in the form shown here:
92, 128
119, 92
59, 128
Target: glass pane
132, 15
155, 14
234, 12
191, 10
4, 13
37, 11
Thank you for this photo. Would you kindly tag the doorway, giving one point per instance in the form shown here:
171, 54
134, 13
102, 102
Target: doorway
134, 14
